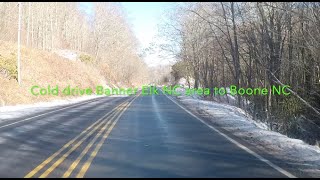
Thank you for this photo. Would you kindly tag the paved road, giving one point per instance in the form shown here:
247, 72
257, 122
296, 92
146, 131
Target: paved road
143, 136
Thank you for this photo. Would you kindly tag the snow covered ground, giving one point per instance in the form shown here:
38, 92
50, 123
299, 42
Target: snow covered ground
12, 112
237, 122
68, 54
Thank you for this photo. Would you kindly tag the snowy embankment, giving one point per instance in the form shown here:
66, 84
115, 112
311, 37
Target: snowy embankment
68, 54
240, 124
12, 112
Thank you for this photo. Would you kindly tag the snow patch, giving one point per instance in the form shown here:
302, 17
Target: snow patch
12, 112
68, 54
241, 124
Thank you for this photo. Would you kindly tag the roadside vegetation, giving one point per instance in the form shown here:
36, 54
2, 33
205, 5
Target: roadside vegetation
41, 68
106, 48
253, 44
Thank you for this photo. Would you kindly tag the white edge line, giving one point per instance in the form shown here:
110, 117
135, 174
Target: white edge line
45, 114
288, 174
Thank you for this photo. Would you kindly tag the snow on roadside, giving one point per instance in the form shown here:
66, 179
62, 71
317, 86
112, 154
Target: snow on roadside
12, 112
236, 121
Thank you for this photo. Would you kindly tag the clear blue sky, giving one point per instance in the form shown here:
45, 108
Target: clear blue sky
144, 17
87, 7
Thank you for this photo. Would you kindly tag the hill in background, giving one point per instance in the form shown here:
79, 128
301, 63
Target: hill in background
41, 68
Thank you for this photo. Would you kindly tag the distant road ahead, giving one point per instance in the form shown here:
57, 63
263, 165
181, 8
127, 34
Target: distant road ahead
144, 136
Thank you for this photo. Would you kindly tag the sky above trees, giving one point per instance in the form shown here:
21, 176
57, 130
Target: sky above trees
144, 18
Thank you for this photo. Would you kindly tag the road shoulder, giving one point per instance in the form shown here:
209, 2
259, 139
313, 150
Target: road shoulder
283, 156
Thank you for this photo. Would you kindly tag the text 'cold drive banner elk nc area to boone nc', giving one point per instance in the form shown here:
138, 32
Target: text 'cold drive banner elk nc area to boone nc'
152, 90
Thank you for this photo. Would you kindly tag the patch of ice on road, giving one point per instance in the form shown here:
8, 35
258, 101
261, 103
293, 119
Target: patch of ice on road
236, 121
2, 140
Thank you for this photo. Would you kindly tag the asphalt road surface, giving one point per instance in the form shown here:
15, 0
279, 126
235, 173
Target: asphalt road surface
136, 136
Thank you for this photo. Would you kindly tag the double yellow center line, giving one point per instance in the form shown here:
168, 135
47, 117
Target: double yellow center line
100, 127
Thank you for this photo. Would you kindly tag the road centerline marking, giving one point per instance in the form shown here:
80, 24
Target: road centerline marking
87, 164
87, 148
65, 155
48, 160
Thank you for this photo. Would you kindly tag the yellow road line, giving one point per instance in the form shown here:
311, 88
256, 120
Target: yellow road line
84, 152
65, 155
48, 160
87, 164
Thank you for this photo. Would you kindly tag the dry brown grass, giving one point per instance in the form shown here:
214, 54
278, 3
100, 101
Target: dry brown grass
44, 68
